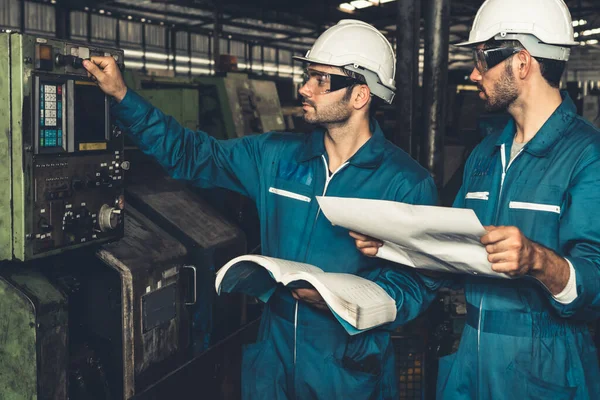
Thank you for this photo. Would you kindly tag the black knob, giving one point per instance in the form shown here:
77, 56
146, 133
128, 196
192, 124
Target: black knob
64, 60
45, 227
77, 62
59, 60
116, 131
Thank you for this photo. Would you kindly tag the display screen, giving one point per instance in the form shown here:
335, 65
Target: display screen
51, 115
90, 114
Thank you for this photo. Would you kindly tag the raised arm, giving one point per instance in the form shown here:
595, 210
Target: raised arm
185, 154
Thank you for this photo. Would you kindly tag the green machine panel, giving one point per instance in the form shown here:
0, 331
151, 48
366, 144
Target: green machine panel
61, 158
33, 322
181, 104
229, 106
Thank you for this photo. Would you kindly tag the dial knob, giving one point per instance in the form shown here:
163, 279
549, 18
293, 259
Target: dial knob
68, 222
108, 218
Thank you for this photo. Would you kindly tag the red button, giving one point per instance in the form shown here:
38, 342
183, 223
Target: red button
59, 90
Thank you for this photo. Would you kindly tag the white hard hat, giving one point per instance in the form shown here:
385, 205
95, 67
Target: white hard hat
549, 21
359, 47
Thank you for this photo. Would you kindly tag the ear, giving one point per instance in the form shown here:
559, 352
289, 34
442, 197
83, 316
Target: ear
361, 96
524, 64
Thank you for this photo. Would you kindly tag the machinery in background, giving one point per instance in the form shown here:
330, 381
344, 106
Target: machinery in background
591, 103
34, 323
211, 241
128, 319
61, 188
82, 315
61, 165
226, 107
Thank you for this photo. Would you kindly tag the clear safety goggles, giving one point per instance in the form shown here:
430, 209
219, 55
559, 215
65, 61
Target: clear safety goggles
323, 82
486, 59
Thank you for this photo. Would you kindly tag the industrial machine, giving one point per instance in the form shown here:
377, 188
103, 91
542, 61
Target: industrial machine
61, 159
226, 106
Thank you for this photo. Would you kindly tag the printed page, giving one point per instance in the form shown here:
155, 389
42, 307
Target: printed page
351, 297
425, 237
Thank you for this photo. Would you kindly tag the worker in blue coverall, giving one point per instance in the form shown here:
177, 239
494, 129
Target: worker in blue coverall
303, 352
535, 186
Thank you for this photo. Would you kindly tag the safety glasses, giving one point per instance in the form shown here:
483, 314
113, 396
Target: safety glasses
486, 59
322, 82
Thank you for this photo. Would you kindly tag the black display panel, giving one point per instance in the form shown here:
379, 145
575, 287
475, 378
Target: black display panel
90, 114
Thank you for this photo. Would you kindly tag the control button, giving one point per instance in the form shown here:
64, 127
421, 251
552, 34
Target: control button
108, 218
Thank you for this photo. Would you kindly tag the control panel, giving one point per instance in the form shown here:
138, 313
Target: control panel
61, 165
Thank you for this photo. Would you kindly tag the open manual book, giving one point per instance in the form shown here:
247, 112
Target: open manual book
357, 303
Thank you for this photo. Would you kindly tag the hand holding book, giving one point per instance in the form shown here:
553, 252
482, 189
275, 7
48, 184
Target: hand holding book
357, 303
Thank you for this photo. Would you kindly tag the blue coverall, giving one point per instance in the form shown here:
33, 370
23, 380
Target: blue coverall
519, 342
302, 352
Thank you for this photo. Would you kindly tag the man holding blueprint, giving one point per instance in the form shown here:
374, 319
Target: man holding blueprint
535, 186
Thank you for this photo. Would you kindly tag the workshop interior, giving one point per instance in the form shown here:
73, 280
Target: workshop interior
107, 271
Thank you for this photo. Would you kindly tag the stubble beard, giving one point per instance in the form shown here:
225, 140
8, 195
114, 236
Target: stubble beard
505, 92
334, 114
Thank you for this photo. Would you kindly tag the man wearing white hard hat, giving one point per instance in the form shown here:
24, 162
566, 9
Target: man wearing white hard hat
535, 185
303, 352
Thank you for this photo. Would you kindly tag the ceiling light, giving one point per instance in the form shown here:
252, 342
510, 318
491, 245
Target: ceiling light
385, 1
143, 20
347, 7
580, 22
590, 32
129, 17
593, 41
361, 4
86, 8
101, 11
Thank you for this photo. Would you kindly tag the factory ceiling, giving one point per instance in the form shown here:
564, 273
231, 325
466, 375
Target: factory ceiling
294, 24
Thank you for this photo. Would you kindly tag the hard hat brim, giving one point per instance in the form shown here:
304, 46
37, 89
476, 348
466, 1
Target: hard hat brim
473, 43
314, 61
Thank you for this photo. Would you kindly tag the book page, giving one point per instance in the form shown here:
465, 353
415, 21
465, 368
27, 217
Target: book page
361, 303
290, 267
354, 290
256, 275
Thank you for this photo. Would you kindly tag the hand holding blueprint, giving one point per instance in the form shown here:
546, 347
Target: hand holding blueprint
425, 237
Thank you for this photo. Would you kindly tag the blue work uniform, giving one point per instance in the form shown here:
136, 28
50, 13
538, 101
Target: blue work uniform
302, 352
519, 342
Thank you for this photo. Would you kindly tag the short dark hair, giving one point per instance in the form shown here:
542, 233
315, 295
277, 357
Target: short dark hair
551, 70
376, 102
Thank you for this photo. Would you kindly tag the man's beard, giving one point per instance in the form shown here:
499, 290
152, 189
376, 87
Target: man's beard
505, 92
333, 114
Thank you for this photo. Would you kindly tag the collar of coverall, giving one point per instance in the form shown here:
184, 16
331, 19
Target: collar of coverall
549, 134
368, 156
